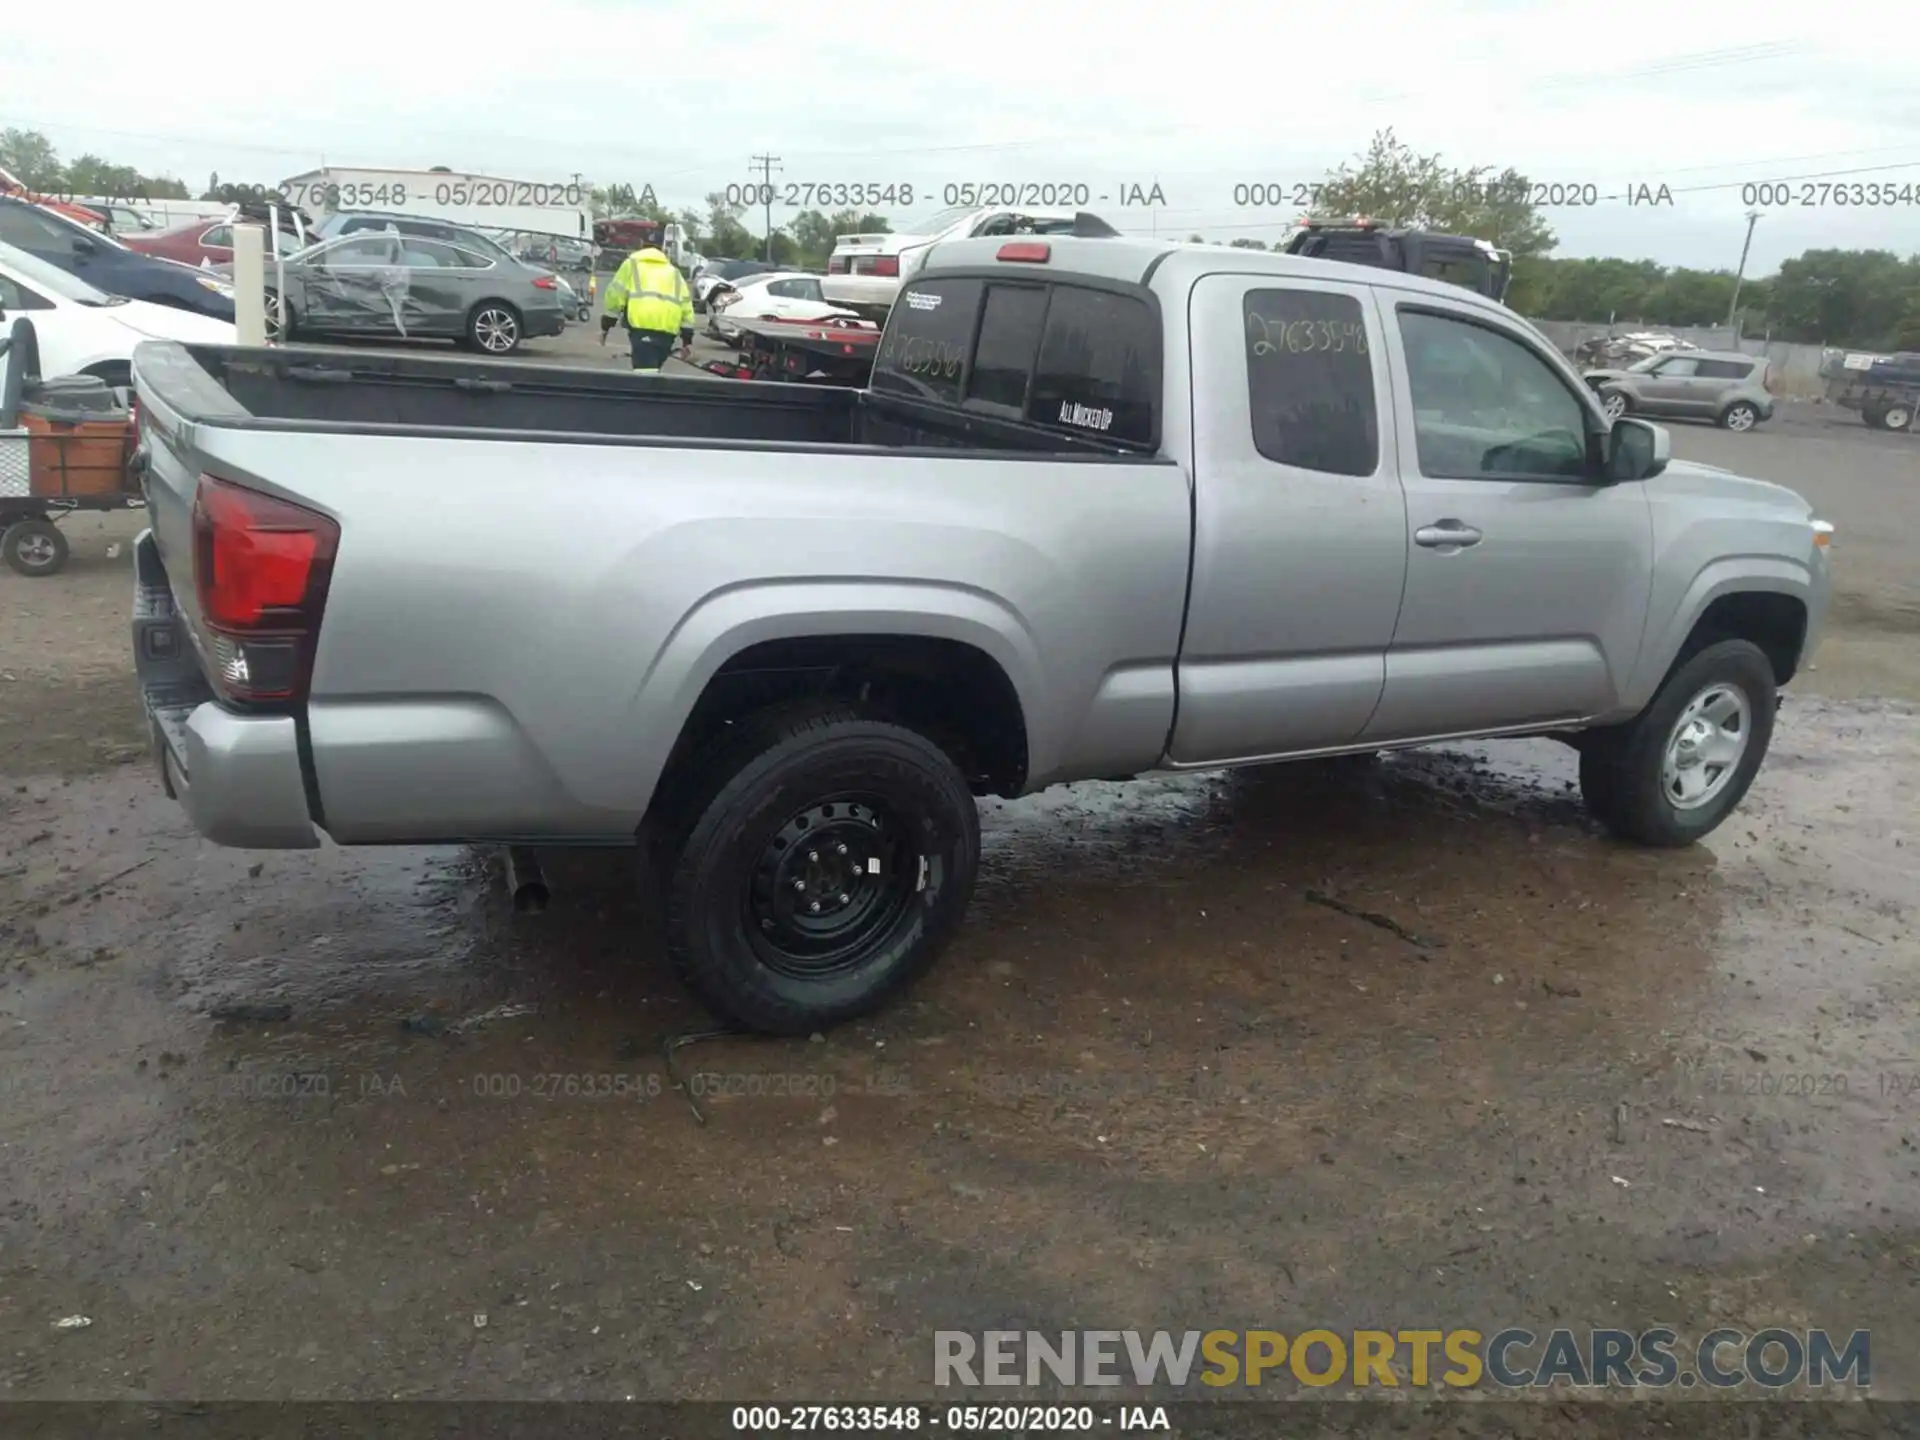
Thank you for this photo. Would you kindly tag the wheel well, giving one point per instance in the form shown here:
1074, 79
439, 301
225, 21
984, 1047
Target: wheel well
953, 693
1776, 623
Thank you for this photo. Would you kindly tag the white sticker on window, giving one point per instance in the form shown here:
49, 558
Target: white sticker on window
1087, 416
921, 300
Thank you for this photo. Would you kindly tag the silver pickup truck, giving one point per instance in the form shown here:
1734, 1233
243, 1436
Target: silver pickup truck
1107, 506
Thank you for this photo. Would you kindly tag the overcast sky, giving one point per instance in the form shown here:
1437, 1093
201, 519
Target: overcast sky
1703, 97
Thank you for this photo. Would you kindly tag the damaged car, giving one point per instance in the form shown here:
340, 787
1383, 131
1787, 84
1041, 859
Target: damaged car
386, 286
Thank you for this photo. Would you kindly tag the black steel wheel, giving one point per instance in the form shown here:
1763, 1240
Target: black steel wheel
821, 860
34, 547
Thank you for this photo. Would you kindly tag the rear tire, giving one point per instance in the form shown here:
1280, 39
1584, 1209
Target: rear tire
1739, 416
783, 939
1897, 417
493, 328
34, 548
1672, 774
1615, 404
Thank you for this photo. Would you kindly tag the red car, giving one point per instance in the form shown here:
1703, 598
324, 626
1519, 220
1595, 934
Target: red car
208, 240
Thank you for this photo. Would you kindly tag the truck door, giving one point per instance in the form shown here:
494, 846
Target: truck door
1527, 583
1300, 529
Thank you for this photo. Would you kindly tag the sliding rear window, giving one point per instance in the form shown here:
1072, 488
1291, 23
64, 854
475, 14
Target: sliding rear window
1068, 357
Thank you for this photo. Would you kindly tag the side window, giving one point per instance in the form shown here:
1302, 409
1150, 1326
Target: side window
18, 297
786, 290
1310, 381
1009, 341
1099, 370
20, 226
1486, 405
810, 290
422, 254
220, 237
1725, 369
471, 259
367, 250
1680, 368
925, 347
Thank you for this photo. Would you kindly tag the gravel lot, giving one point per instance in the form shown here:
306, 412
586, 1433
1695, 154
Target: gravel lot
1159, 1082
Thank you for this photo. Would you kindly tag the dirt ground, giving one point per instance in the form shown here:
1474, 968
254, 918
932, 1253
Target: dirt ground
1160, 1082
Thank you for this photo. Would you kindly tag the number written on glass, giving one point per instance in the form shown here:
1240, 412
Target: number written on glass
1277, 334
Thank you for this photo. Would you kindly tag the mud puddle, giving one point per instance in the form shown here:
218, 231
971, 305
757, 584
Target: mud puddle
1356, 1044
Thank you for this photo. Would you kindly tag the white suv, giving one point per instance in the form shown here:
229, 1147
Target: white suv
865, 271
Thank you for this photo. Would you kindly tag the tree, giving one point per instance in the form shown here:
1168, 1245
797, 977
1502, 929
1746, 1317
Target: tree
724, 230
1244, 243
1843, 296
1394, 185
31, 159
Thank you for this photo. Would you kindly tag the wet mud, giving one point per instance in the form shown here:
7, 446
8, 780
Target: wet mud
1364, 1044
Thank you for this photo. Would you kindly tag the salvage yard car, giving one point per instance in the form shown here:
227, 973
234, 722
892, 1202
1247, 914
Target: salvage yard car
84, 331
1723, 386
1108, 506
104, 263
380, 284
779, 295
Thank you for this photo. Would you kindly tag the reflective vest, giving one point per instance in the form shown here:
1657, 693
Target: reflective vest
654, 292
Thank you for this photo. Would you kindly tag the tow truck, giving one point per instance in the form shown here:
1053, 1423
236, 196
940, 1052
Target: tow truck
1461, 260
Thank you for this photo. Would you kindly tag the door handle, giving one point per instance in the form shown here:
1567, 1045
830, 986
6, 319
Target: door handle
1447, 535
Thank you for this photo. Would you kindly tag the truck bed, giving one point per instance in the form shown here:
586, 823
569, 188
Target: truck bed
314, 390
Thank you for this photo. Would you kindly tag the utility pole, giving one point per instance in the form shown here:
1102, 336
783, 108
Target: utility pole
1733, 308
767, 165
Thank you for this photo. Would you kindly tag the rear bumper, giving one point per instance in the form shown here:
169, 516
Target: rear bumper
238, 777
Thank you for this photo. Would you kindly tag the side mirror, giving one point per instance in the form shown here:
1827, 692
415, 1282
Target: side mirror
1636, 450
83, 245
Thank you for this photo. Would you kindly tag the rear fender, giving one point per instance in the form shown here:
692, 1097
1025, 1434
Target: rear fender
730, 621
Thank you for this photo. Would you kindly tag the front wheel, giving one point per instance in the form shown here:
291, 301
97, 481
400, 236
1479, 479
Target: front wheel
829, 858
1672, 774
34, 548
494, 328
1740, 416
1897, 417
1614, 404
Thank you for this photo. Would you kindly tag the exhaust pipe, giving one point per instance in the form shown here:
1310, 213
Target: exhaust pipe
526, 881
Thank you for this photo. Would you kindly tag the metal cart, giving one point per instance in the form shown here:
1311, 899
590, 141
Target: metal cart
51, 465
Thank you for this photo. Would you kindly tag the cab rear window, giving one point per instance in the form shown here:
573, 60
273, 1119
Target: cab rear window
1068, 357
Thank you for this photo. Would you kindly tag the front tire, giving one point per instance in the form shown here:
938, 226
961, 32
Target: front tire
1897, 417
1614, 404
1671, 775
827, 858
1739, 416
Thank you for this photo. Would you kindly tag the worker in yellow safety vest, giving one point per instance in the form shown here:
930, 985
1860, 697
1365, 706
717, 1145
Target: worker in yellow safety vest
650, 294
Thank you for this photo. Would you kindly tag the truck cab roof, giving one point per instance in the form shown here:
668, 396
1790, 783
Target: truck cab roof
1141, 261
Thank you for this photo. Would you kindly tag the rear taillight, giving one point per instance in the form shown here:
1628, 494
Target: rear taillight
261, 567
836, 265
544, 282
884, 265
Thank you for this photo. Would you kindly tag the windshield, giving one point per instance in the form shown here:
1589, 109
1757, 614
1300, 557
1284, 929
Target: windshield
40, 275
99, 236
944, 220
